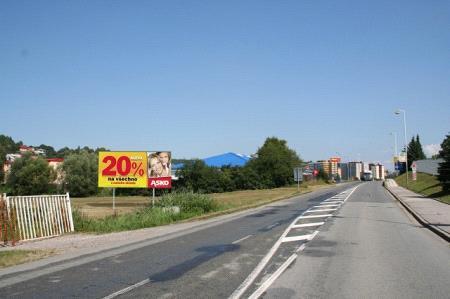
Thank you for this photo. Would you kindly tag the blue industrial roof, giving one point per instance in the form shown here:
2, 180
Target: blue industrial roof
231, 159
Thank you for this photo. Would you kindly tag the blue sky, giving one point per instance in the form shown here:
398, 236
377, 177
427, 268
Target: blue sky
206, 77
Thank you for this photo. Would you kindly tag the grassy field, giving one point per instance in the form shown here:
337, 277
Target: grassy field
95, 214
100, 207
14, 257
426, 184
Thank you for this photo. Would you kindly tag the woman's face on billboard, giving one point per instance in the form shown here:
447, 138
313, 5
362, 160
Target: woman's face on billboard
164, 158
155, 165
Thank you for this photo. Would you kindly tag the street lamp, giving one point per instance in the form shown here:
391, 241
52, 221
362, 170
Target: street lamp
395, 143
397, 112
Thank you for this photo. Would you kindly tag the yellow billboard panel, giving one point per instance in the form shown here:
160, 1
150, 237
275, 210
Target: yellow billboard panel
122, 169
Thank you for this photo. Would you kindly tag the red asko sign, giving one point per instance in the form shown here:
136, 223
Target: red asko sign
160, 183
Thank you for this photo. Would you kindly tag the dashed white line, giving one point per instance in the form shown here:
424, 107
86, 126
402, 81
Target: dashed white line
126, 290
241, 239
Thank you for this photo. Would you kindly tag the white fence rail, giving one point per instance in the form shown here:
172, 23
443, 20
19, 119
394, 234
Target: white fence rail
41, 216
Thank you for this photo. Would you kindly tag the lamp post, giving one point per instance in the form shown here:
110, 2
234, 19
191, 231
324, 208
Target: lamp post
397, 112
395, 144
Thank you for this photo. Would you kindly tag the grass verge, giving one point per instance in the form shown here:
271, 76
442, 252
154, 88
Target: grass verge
426, 184
191, 206
15, 257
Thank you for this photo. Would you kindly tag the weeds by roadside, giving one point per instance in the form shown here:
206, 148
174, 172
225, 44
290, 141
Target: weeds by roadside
190, 205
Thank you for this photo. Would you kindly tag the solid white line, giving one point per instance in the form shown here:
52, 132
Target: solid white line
316, 216
123, 291
241, 239
308, 224
303, 246
249, 280
272, 278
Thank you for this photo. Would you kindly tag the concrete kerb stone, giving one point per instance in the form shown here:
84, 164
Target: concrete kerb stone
419, 218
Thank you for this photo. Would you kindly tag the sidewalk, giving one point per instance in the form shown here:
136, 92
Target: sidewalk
433, 214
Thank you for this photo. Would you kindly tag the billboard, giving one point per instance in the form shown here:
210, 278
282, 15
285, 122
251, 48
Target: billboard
135, 169
159, 170
122, 169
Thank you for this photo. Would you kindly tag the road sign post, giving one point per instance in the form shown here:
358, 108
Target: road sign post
298, 176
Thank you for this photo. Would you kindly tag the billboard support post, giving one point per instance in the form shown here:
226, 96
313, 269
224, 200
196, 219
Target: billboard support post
114, 199
153, 198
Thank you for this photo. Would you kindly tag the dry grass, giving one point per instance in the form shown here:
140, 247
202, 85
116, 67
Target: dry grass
10, 258
100, 207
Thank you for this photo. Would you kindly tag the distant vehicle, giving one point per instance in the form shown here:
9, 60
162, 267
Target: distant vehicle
367, 176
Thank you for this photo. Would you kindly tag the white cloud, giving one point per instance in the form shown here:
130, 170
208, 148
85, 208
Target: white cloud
431, 149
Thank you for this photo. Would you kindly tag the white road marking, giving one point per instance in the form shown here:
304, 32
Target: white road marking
241, 239
249, 280
316, 216
326, 204
272, 278
320, 210
308, 224
303, 246
300, 238
126, 290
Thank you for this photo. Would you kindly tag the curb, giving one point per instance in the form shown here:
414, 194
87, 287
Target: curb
422, 221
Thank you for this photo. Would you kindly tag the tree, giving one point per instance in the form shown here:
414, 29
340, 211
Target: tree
415, 151
30, 176
80, 173
444, 167
275, 162
7, 146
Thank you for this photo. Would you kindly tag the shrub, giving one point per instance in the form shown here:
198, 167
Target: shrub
189, 202
31, 175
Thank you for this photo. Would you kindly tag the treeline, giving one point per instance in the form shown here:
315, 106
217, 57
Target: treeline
271, 167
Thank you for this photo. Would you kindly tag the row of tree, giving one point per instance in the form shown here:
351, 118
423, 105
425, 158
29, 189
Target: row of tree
272, 167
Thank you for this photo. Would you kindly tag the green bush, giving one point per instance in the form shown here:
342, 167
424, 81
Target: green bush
31, 175
189, 202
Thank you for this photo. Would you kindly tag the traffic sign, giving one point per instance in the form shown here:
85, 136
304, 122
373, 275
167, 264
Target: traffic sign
298, 174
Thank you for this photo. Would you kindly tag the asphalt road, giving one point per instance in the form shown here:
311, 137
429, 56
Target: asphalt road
372, 248
210, 263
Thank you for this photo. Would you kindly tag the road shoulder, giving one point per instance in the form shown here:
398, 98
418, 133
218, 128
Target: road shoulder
431, 213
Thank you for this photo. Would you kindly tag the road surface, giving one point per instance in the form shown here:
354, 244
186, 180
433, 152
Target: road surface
370, 248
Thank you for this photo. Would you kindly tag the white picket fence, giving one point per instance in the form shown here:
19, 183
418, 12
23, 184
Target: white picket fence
41, 216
